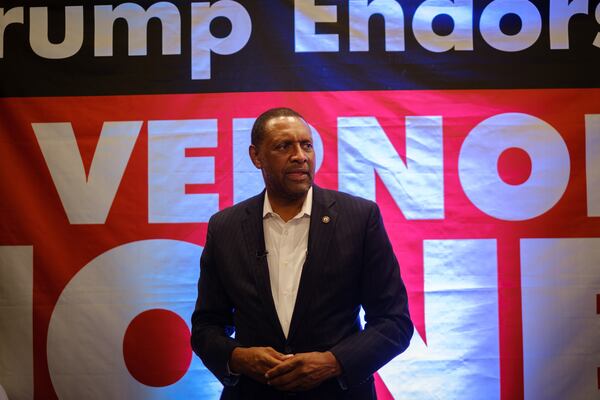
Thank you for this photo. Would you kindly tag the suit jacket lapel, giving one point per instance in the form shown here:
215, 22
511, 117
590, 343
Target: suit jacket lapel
252, 226
323, 218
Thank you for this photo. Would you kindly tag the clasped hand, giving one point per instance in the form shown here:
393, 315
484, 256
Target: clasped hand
288, 372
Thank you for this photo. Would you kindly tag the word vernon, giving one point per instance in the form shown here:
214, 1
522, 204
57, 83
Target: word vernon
364, 151
307, 15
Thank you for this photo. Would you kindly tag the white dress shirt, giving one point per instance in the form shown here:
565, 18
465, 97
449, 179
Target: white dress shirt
286, 244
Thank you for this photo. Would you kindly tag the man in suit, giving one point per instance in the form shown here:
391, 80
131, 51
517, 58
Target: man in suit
288, 271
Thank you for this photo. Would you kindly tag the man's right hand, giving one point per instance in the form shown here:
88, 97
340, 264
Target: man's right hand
254, 362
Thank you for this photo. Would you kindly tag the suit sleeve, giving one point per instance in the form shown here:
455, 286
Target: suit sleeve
388, 328
212, 320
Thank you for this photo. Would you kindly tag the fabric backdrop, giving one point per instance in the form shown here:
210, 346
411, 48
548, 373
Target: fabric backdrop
475, 125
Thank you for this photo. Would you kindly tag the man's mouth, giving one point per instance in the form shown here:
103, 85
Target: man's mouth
297, 175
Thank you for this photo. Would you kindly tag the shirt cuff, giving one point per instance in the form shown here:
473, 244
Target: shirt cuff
232, 378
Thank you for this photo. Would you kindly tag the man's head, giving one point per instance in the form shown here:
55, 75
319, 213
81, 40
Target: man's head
282, 148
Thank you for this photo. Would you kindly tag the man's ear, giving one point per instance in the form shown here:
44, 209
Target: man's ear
253, 151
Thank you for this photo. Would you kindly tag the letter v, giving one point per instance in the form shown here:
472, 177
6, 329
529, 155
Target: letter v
87, 200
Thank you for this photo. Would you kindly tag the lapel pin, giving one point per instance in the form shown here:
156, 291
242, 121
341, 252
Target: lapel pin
326, 219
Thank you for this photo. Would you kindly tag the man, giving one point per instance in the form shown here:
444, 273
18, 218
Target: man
288, 271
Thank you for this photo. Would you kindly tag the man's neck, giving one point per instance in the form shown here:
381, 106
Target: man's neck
286, 208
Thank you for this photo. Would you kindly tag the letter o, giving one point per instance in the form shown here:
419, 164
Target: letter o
88, 324
489, 25
478, 171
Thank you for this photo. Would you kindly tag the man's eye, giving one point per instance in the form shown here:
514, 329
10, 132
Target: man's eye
282, 146
307, 146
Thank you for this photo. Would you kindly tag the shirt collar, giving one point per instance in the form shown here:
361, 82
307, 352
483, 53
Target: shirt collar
305, 210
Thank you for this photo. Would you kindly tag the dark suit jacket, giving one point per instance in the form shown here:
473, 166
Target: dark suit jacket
350, 263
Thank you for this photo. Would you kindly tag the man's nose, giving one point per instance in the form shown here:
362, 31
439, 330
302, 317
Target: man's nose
299, 155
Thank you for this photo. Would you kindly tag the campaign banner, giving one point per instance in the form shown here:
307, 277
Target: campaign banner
145, 46
475, 126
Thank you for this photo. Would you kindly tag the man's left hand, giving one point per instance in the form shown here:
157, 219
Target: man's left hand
303, 371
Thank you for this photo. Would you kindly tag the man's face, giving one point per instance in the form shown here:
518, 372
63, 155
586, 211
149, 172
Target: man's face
286, 157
